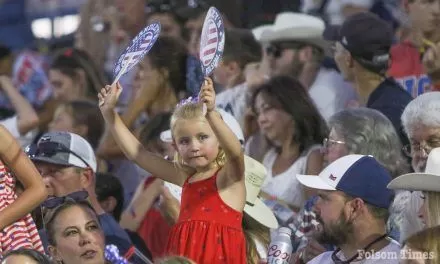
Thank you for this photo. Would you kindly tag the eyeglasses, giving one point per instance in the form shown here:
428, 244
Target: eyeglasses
411, 149
49, 149
331, 142
275, 49
54, 201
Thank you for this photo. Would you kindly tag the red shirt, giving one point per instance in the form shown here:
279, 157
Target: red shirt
154, 229
407, 69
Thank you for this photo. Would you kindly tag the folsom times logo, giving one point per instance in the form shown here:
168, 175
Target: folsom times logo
404, 254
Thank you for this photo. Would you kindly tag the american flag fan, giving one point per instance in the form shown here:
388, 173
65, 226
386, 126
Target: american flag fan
137, 49
212, 41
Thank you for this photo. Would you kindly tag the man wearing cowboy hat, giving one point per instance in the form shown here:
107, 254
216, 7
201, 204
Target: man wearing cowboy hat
297, 48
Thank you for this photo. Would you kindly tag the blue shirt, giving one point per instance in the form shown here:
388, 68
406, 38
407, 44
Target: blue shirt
390, 99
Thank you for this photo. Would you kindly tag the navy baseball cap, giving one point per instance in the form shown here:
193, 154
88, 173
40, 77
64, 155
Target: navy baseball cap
358, 176
365, 36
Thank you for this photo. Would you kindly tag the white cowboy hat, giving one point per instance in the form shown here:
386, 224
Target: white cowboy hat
291, 26
424, 181
255, 173
229, 119
258, 31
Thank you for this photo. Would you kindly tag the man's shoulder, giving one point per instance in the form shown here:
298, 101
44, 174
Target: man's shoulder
324, 258
232, 93
389, 93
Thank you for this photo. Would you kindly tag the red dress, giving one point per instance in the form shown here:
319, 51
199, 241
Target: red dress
208, 230
23, 233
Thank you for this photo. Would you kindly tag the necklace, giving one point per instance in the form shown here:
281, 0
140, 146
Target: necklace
337, 260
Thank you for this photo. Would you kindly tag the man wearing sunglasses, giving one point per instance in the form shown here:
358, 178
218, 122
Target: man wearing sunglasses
297, 49
67, 163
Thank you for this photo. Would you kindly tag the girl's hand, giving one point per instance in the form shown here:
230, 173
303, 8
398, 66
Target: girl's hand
207, 94
169, 206
108, 97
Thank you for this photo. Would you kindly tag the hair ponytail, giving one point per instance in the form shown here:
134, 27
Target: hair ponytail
69, 60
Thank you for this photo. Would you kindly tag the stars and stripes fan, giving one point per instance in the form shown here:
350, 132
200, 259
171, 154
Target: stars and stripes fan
212, 41
137, 49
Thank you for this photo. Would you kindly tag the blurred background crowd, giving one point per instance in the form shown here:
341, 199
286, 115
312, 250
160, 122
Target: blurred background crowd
304, 87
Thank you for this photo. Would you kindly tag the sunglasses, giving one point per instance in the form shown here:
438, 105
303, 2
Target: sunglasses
54, 201
49, 207
50, 149
276, 49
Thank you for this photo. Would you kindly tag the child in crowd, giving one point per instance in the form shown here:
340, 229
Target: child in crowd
209, 165
16, 225
80, 117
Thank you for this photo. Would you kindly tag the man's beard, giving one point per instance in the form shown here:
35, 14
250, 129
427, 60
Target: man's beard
336, 233
294, 69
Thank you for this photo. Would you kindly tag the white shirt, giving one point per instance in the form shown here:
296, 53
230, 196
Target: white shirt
285, 186
331, 93
233, 101
410, 202
387, 255
11, 124
333, 9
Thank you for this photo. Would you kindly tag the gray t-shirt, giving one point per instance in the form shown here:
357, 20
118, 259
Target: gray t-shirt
387, 255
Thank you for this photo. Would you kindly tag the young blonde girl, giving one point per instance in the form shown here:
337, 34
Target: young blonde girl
210, 168
17, 229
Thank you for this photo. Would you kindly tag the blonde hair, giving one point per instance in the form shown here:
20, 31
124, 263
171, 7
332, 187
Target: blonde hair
253, 230
191, 110
433, 208
427, 241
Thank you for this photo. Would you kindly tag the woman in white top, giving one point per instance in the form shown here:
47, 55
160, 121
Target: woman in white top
336, 11
292, 124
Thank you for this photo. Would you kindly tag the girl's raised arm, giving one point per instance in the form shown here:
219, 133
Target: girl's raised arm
24, 170
132, 148
227, 139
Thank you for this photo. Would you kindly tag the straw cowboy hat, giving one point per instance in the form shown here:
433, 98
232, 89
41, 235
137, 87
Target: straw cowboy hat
291, 26
255, 174
423, 181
